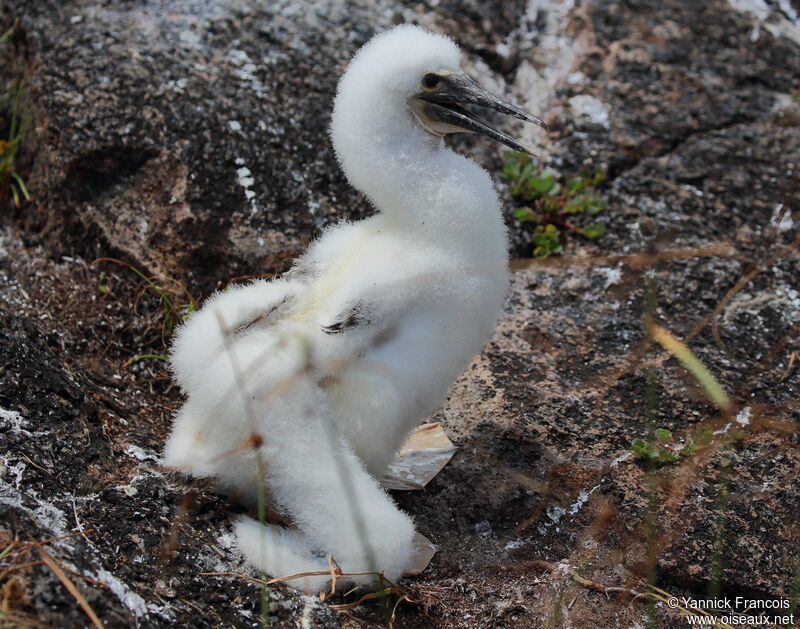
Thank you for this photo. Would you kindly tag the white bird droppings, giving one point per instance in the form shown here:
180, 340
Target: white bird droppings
44, 515
612, 275
782, 22
583, 496
190, 39
246, 71
140, 454
14, 421
245, 178
589, 110
620, 459
555, 513
128, 597
743, 417
309, 602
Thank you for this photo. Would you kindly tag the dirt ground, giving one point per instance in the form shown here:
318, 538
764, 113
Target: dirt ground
544, 518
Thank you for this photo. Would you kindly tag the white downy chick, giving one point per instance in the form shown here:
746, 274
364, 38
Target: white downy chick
334, 364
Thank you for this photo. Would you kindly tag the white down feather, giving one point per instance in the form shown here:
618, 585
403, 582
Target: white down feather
423, 283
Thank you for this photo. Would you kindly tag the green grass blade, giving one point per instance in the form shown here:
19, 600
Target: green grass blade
21, 185
14, 131
138, 357
705, 379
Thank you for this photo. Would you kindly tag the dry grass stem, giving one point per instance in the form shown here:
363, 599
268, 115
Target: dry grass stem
67, 582
636, 261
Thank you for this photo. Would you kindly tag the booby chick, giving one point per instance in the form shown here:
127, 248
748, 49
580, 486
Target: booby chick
325, 371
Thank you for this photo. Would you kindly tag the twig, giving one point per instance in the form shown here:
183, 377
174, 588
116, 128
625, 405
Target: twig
77, 521
29, 545
290, 577
71, 587
634, 261
38, 467
635, 360
657, 595
540, 564
740, 285
18, 566
792, 358
234, 574
313, 573
12, 620
335, 570
371, 595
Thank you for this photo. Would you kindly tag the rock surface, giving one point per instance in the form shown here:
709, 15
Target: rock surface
189, 139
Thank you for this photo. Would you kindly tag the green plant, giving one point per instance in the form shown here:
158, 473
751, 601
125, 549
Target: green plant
139, 357
389, 596
658, 449
554, 203
11, 183
546, 241
175, 302
7, 34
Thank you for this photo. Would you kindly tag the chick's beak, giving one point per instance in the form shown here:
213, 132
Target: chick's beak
441, 110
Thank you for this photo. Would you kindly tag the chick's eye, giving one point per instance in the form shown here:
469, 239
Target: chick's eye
430, 81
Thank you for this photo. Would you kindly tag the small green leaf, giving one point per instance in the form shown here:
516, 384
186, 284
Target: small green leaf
736, 434
662, 434
640, 448
546, 239
575, 184
524, 214
510, 171
595, 203
187, 311
527, 169
668, 456
549, 205
551, 230
703, 436
551, 198
516, 168
575, 205
139, 357
594, 230
543, 183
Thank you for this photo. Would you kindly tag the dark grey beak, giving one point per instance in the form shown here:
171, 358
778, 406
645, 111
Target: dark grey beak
440, 108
